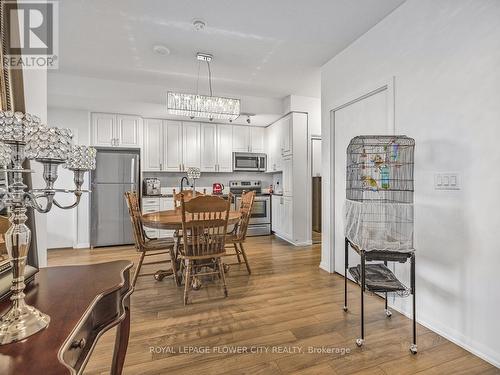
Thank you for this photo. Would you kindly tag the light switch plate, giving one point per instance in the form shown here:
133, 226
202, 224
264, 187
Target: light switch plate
447, 181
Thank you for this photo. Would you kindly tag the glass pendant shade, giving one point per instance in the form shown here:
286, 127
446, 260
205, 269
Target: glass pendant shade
212, 107
16, 127
49, 144
81, 158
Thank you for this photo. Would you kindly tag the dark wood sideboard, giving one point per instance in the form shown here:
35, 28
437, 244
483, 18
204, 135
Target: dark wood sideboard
83, 302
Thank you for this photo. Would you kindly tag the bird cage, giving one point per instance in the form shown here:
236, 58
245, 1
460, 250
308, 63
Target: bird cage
379, 193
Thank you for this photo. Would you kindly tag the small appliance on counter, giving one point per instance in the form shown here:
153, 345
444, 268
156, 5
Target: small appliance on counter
217, 188
151, 186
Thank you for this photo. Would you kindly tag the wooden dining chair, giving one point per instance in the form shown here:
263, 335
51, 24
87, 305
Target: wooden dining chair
188, 195
204, 226
238, 235
145, 245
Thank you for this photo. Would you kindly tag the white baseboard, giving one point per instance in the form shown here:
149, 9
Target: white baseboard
84, 245
325, 267
303, 243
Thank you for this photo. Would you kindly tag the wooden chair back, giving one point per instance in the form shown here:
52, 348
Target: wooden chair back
204, 226
134, 212
246, 206
188, 195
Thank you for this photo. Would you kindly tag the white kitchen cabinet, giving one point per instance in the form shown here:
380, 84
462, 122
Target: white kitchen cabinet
224, 148
166, 203
241, 139
257, 140
287, 180
208, 147
191, 150
153, 145
116, 130
276, 217
273, 148
103, 129
149, 205
172, 146
286, 135
128, 131
287, 218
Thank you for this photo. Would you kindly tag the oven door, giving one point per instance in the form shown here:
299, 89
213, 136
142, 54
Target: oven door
261, 210
248, 162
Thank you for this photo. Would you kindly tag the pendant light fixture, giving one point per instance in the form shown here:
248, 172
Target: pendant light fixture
195, 105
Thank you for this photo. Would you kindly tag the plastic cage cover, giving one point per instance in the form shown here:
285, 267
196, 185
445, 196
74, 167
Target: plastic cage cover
379, 192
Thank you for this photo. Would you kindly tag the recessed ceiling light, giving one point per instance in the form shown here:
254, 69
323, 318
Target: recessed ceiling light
199, 24
161, 50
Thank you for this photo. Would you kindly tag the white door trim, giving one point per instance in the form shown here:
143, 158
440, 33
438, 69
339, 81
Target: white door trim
385, 85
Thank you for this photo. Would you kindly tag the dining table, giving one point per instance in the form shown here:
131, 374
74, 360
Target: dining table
172, 220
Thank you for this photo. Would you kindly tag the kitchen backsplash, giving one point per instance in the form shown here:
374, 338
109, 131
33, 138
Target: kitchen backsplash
207, 179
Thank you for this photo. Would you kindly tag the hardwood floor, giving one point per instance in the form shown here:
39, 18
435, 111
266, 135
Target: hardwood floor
287, 307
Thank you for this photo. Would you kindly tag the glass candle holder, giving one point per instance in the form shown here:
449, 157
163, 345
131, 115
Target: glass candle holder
52, 144
16, 127
194, 173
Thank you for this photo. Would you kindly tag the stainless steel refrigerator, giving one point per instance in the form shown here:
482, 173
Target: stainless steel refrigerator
117, 171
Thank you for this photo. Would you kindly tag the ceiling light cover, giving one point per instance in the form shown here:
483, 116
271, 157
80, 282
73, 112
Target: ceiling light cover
194, 105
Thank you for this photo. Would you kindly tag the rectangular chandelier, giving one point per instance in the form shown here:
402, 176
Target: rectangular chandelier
212, 107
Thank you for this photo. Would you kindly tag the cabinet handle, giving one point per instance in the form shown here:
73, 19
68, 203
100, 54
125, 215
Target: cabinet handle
161, 166
183, 167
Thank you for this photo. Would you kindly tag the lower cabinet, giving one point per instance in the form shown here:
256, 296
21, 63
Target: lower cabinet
282, 216
155, 204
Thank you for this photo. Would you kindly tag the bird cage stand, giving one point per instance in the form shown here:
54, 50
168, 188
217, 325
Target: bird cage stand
379, 218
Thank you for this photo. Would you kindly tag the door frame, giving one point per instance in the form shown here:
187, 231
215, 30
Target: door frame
373, 89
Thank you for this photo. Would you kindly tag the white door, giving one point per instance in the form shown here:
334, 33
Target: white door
224, 148
152, 150
172, 146
103, 129
241, 139
191, 145
363, 117
208, 147
257, 139
128, 131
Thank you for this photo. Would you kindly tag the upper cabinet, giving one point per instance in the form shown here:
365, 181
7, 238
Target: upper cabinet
208, 147
248, 139
153, 145
191, 150
162, 145
116, 130
172, 146
286, 135
224, 148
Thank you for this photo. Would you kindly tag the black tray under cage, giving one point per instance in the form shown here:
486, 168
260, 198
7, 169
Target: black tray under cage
379, 279
380, 168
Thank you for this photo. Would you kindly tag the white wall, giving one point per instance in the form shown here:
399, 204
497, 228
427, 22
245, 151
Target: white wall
445, 58
69, 228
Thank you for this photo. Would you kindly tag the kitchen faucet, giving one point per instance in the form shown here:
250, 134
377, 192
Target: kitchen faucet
182, 183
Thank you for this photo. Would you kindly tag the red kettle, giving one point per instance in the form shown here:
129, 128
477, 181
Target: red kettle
217, 188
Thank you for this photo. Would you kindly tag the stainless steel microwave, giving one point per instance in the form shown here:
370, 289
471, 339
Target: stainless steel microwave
249, 162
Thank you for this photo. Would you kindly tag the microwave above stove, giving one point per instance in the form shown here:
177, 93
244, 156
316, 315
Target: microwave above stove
249, 162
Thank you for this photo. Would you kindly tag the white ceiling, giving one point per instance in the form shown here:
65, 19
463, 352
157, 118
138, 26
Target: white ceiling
269, 48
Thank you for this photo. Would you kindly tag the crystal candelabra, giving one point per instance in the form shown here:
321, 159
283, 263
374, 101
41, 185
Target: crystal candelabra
22, 136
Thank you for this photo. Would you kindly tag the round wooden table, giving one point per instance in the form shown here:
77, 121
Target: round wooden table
172, 220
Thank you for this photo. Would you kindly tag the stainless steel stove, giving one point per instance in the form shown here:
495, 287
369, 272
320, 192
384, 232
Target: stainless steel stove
260, 219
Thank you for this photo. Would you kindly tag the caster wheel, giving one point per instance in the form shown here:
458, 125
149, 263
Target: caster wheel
159, 276
226, 268
388, 313
196, 284
344, 308
360, 342
413, 349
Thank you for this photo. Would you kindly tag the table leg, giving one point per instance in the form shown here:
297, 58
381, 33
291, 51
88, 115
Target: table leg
121, 341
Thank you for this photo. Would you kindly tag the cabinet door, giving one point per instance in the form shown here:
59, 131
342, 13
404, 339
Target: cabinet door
150, 205
208, 147
172, 146
286, 135
152, 151
103, 129
288, 176
224, 148
166, 203
128, 131
257, 139
241, 139
190, 145
287, 218
275, 213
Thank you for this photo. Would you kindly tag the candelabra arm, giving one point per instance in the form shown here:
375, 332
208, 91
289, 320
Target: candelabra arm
77, 201
31, 200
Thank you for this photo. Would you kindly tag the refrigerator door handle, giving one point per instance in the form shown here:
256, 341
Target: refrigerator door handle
132, 171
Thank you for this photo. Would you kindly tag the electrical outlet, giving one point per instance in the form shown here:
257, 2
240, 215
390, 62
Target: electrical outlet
447, 181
